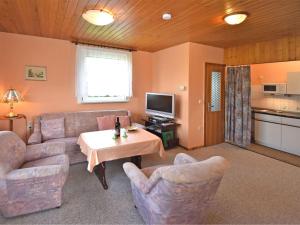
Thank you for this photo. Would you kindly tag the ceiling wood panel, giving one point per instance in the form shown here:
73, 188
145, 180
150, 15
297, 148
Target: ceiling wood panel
138, 23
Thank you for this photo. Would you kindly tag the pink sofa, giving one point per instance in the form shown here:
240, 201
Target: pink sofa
75, 123
31, 177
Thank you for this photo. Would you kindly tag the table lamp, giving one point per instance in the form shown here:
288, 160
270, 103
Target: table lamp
12, 96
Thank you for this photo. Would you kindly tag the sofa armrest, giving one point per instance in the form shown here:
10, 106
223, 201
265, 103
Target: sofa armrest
182, 158
138, 178
35, 138
44, 150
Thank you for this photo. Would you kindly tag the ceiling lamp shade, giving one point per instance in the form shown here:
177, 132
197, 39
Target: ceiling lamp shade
98, 17
235, 18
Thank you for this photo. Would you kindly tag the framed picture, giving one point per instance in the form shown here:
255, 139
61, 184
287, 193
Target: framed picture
35, 73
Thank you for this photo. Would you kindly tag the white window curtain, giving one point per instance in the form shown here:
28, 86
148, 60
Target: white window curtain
103, 74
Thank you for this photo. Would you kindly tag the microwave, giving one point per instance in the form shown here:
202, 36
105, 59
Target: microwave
278, 88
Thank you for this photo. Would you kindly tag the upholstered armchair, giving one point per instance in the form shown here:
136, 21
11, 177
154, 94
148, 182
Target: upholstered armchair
176, 194
31, 177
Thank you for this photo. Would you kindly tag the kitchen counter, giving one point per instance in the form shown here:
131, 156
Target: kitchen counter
287, 114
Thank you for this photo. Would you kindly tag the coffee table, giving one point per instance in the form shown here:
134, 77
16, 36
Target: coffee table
100, 147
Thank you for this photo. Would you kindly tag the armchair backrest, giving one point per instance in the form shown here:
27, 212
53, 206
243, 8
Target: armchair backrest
12, 152
187, 188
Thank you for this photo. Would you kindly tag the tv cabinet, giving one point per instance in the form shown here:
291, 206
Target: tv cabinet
164, 128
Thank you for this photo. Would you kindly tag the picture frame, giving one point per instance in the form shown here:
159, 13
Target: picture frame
38, 73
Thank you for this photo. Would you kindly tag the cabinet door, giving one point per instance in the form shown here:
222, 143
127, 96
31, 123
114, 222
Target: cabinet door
268, 134
293, 84
291, 139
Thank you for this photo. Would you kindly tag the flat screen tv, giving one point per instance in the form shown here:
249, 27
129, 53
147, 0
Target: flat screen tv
160, 104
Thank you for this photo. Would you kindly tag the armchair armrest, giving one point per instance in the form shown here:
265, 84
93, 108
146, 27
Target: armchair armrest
182, 158
3, 192
34, 172
139, 179
44, 150
35, 138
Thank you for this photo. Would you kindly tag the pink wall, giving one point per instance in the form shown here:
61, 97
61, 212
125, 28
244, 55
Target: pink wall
199, 55
171, 69
273, 72
185, 65
58, 92
162, 71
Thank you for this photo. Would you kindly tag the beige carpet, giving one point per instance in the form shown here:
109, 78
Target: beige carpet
275, 154
255, 190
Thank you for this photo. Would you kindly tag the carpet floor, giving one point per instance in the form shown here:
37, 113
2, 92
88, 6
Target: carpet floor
255, 190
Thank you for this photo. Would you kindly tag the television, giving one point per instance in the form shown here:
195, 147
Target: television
160, 104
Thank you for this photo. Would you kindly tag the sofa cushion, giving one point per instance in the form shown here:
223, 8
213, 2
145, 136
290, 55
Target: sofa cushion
124, 121
71, 143
72, 149
106, 122
53, 128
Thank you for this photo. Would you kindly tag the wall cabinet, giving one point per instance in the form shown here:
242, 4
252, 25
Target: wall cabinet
293, 83
278, 132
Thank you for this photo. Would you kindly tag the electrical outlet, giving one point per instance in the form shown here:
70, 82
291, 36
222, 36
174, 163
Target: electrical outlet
29, 125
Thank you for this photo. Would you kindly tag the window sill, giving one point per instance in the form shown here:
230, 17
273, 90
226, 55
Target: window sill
104, 101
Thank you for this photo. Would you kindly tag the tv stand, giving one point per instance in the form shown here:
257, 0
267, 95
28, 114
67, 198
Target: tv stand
164, 128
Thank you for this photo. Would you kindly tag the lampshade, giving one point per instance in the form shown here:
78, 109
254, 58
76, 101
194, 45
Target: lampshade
98, 17
235, 18
12, 95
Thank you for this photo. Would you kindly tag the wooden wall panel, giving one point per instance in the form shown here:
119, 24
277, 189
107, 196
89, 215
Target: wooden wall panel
279, 50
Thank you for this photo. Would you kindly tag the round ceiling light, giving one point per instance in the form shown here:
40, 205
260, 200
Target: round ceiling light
167, 16
235, 18
98, 17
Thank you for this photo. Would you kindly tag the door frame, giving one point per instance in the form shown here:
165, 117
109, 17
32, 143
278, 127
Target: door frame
205, 96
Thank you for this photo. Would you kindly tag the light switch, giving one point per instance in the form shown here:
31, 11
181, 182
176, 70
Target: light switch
181, 88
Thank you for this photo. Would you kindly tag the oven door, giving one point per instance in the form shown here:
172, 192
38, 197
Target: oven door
270, 88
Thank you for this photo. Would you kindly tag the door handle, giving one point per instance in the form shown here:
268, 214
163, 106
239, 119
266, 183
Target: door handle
209, 106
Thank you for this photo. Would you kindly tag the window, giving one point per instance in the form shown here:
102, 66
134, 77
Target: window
103, 74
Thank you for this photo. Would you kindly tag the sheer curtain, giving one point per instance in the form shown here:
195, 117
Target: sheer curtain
237, 106
103, 74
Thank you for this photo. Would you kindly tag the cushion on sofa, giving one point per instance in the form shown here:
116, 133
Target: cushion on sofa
106, 122
71, 143
72, 149
124, 121
53, 128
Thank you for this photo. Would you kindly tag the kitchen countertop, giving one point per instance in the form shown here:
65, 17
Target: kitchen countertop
295, 115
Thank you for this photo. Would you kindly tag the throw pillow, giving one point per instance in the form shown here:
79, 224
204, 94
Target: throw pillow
53, 128
106, 122
124, 121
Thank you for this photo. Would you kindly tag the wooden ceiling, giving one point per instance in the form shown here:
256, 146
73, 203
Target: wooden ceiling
139, 25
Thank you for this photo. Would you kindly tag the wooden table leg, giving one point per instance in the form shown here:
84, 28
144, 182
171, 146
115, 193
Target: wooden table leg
137, 160
99, 170
11, 125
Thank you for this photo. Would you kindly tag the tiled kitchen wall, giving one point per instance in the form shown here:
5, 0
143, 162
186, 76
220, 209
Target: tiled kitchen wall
276, 102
